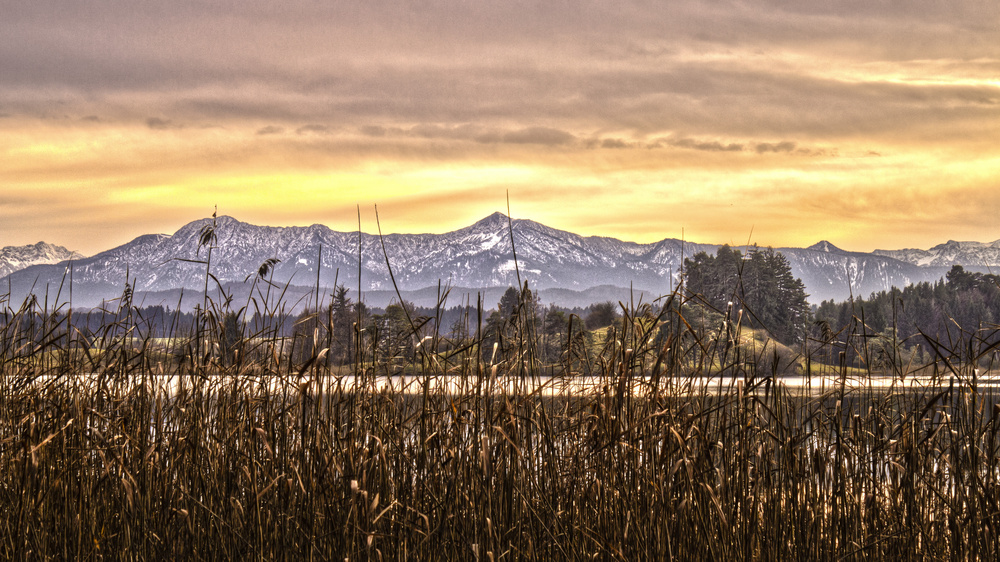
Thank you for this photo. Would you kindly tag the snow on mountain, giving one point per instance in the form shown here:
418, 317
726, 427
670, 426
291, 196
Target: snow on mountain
966, 254
824, 246
478, 256
14, 258
831, 273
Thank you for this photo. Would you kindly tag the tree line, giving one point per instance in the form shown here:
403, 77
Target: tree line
960, 305
346, 328
343, 327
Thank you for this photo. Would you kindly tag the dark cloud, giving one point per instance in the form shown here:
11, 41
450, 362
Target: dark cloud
489, 137
270, 130
477, 133
120, 45
713, 69
460, 132
314, 129
765, 147
528, 135
710, 146
614, 143
818, 152
758, 147
372, 130
538, 135
158, 124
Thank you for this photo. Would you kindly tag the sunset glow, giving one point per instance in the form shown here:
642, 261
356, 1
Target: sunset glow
867, 125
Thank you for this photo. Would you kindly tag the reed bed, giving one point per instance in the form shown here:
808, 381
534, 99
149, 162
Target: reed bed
193, 447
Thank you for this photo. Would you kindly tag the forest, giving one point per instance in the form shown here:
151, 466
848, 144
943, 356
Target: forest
919, 318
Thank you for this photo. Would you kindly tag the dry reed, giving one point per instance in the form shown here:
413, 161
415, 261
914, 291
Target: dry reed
190, 446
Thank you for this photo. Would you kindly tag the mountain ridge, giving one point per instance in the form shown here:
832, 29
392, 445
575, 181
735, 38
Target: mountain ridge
15, 258
479, 255
950, 253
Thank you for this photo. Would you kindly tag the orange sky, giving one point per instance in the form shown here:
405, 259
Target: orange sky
783, 124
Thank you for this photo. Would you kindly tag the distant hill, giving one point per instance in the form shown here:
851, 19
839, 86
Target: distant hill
569, 269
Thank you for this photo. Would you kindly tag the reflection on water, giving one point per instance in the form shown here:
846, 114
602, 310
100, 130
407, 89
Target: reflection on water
577, 385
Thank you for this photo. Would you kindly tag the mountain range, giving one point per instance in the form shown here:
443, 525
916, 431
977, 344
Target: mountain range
14, 258
568, 269
949, 253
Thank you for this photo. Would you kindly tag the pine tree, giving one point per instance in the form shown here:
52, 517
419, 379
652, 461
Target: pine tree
760, 281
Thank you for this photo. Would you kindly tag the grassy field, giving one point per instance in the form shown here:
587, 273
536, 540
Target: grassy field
182, 448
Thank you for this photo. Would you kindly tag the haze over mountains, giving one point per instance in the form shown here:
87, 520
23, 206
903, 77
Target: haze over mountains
568, 269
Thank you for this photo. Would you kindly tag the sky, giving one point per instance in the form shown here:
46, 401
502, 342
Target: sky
868, 123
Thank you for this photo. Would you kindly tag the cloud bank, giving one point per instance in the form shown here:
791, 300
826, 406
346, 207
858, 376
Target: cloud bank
649, 108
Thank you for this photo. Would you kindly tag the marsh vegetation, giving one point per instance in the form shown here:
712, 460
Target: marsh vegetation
226, 440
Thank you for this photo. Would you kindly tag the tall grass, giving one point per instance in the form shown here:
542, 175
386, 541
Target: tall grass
685, 444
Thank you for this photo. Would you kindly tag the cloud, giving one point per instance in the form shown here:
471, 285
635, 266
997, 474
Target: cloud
464, 131
747, 146
158, 124
614, 143
722, 71
474, 132
372, 130
765, 147
511, 86
539, 135
313, 129
710, 146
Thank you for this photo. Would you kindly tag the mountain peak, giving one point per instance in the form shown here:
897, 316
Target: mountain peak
13, 258
825, 246
492, 221
960, 245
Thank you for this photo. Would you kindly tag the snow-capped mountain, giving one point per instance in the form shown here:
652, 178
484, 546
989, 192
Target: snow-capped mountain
950, 253
14, 258
479, 256
831, 273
